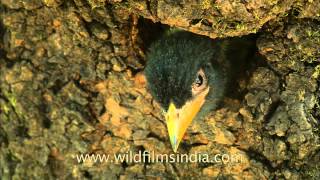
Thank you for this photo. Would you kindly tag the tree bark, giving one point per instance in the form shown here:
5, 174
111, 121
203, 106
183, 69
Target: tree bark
71, 83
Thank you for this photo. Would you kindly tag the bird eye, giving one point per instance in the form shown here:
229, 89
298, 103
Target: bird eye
200, 82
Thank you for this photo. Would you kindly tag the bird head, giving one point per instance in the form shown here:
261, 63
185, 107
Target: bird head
186, 77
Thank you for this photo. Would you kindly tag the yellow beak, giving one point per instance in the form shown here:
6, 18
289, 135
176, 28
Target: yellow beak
178, 120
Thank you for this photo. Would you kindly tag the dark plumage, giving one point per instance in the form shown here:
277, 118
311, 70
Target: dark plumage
174, 62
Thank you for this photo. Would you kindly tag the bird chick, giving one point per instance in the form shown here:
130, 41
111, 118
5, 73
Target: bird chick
188, 74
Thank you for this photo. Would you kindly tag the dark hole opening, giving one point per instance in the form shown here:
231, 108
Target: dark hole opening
150, 32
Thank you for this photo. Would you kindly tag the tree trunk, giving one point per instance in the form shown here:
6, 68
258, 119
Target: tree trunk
71, 84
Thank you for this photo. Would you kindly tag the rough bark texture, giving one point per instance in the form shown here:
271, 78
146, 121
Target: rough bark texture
71, 83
